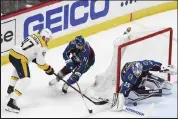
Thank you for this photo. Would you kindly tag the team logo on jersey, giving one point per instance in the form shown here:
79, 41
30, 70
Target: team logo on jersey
130, 76
44, 53
145, 62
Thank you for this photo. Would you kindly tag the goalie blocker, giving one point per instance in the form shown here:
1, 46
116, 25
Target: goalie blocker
139, 85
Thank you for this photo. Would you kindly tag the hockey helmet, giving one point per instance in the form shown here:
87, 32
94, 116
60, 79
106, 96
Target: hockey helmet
46, 33
137, 69
80, 42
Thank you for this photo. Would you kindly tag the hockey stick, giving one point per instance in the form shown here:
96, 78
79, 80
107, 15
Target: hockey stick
96, 103
89, 110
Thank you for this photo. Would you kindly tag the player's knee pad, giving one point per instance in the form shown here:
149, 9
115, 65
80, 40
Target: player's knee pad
22, 85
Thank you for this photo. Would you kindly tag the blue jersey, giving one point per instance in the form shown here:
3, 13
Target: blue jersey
128, 77
81, 57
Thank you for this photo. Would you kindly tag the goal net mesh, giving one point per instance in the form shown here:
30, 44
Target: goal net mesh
150, 44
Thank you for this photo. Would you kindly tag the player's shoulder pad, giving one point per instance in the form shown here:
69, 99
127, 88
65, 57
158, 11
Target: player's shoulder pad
72, 42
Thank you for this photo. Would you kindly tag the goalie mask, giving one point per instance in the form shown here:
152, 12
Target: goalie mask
137, 69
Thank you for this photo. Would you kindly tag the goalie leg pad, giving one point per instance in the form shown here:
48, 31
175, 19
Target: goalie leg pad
167, 88
118, 102
144, 96
153, 82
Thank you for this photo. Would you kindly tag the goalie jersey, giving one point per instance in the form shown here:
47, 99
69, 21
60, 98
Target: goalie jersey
130, 80
33, 48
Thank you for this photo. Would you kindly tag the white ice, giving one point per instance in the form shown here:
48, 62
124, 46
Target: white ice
40, 100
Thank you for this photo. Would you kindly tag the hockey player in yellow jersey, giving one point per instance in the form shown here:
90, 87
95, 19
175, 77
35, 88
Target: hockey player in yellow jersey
32, 49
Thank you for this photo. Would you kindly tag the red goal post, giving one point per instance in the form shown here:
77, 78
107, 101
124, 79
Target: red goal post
170, 30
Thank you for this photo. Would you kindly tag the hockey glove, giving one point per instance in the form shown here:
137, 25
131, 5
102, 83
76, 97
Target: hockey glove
69, 64
74, 78
75, 58
49, 71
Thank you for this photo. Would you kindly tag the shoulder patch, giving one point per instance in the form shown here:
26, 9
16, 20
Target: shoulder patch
130, 76
145, 62
43, 53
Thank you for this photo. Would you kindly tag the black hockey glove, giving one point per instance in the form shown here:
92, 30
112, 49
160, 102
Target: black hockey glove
49, 71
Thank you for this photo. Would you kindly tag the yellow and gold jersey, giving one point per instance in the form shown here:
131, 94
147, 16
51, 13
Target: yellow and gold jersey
32, 47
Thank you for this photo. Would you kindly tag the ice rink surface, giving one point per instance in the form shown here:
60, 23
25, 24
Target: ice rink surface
40, 100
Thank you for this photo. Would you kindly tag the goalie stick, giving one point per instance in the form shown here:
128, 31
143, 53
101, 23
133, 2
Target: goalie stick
96, 103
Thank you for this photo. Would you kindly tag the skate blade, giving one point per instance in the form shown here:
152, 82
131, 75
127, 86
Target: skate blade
9, 109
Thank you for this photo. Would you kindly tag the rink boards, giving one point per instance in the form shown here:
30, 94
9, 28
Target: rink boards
87, 25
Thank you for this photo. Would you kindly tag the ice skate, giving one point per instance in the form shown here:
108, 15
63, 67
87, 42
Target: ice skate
12, 107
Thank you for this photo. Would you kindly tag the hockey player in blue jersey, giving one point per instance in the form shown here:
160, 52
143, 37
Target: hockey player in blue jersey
139, 84
79, 57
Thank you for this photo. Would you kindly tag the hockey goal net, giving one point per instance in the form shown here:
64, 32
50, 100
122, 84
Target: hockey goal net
150, 44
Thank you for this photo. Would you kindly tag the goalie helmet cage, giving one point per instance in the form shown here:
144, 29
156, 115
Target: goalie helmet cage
133, 46
170, 30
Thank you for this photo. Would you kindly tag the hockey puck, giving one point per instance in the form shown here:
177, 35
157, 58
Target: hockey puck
90, 111
135, 103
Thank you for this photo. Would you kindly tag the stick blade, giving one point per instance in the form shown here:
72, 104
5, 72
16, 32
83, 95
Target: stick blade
101, 102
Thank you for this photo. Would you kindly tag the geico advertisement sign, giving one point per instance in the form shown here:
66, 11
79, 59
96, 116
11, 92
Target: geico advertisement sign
7, 35
63, 17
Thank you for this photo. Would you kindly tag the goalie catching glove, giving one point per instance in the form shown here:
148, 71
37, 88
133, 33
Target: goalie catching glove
169, 69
